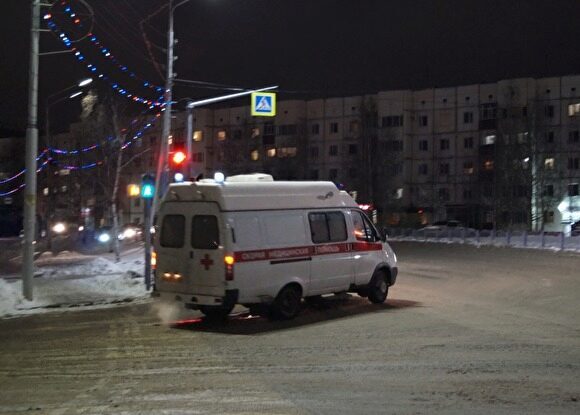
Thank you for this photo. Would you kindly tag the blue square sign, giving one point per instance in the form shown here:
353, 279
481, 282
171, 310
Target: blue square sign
264, 104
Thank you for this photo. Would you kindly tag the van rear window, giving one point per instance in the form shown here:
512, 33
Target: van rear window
327, 227
204, 232
172, 231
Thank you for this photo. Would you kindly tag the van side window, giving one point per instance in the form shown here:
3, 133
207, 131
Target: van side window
363, 229
204, 232
172, 231
327, 227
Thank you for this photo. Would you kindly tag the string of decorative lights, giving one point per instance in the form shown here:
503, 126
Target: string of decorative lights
105, 51
23, 185
94, 70
21, 172
46, 151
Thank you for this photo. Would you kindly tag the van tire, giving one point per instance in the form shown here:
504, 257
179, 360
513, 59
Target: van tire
287, 303
216, 313
378, 287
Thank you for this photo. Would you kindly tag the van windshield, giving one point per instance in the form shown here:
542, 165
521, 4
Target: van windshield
204, 232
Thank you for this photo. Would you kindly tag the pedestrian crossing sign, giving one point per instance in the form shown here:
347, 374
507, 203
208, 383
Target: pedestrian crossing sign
264, 104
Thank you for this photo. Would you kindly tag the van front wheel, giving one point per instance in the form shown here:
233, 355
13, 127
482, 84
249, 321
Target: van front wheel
378, 288
287, 303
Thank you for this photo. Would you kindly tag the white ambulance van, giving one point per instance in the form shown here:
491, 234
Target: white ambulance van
265, 244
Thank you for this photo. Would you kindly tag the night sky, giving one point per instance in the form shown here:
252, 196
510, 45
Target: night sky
309, 47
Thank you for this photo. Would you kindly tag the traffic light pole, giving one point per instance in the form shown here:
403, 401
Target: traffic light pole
147, 220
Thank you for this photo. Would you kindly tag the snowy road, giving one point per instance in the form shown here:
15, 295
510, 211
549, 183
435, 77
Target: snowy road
466, 330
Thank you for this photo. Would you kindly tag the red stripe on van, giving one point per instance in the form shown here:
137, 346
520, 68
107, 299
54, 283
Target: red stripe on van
304, 251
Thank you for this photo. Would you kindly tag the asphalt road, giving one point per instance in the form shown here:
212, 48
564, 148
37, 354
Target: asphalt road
465, 330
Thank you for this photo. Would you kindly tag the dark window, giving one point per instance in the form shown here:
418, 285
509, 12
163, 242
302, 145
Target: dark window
524, 111
287, 129
269, 129
573, 136
444, 194
573, 163
423, 121
352, 149
237, 134
352, 173
314, 174
549, 111
423, 145
549, 137
423, 169
333, 150
315, 129
332, 174
204, 232
334, 127
392, 121
327, 227
314, 152
467, 117
468, 142
548, 190
444, 169
172, 231
573, 189
467, 195
444, 144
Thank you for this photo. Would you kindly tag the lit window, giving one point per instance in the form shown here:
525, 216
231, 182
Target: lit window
255, 155
255, 132
198, 135
221, 135
271, 152
549, 163
488, 165
573, 109
468, 167
489, 139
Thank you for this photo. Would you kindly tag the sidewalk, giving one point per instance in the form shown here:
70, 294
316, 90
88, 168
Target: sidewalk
71, 280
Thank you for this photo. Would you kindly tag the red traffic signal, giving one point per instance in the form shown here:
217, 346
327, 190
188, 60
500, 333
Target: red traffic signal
178, 158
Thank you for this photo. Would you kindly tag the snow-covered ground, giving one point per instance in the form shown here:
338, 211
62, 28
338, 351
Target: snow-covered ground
550, 240
70, 281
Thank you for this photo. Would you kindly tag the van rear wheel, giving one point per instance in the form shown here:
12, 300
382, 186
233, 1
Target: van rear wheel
287, 303
216, 313
378, 288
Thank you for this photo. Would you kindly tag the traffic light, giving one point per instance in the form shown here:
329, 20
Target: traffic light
178, 158
147, 186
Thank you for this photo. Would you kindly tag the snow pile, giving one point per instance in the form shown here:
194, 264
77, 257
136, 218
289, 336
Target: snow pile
94, 282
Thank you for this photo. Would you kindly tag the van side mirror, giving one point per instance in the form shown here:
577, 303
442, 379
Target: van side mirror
384, 235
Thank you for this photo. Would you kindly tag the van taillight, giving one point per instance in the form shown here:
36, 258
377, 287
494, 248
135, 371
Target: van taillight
153, 260
229, 261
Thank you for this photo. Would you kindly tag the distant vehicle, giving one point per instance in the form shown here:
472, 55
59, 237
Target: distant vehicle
444, 229
131, 233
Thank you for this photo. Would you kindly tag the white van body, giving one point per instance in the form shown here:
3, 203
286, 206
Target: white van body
250, 240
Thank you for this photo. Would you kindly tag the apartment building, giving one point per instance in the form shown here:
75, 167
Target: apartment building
502, 154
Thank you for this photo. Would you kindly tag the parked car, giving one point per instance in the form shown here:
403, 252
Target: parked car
575, 229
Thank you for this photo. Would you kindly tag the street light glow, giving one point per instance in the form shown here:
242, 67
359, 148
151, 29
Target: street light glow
75, 94
85, 82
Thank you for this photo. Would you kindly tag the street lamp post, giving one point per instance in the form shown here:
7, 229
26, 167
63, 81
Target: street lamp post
160, 176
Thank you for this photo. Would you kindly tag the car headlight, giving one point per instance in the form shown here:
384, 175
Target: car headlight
129, 233
59, 227
104, 237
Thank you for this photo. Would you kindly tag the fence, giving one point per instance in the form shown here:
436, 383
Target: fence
523, 239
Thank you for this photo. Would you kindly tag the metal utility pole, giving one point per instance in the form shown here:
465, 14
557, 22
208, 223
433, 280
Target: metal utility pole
31, 150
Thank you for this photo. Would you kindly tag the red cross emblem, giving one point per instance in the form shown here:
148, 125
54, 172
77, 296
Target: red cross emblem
206, 262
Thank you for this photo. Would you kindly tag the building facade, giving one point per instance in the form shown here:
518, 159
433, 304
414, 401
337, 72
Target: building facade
503, 155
